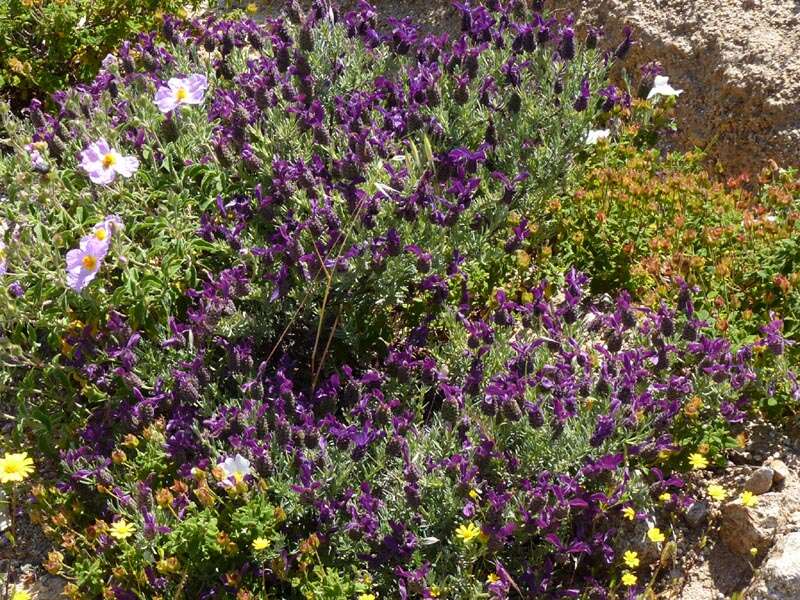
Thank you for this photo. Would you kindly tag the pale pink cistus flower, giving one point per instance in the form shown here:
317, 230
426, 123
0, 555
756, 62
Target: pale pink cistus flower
180, 92
84, 262
102, 163
105, 229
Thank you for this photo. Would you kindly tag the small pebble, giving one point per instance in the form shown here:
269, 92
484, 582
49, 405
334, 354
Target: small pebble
696, 514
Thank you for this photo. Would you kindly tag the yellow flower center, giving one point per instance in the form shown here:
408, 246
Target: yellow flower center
109, 160
89, 263
101, 234
181, 94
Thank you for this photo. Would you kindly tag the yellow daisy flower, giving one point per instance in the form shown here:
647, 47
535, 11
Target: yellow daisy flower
631, 559
15, 467
20, 594
748, 499
628, 578
717, 492
467, 533
698, 461
261, 543
121, 530
655, 535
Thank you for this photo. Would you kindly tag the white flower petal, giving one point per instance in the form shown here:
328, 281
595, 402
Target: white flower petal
597, 134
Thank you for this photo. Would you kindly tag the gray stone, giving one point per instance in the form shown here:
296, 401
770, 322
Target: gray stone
779, 577
696, 514
760, 480
779, 470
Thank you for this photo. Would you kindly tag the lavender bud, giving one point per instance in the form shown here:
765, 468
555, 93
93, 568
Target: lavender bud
56, 147
294, 12
168, 30
450, 410
511, 410
283, 59
434, 97
689, 332
321, 136
471, 65
394, 447
227, 43
625, 46
667, 327
305, 39
169, 129
225, 70
614, 342
37, 118
301, 66
461, 95
128, 66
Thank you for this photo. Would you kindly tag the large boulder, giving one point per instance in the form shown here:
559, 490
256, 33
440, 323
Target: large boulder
744, 528
779, 577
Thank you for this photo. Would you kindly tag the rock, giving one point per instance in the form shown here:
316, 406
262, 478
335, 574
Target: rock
760, 480
779, 577
49, 587
779, 470
696, 514
742, 528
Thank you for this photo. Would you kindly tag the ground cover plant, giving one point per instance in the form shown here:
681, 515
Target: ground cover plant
271, 315
637, 220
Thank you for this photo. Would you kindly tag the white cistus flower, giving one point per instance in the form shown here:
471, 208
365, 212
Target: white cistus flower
661, 87
597, 134
235, 468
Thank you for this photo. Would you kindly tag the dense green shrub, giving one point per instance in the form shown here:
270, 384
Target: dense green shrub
46, 44
637, 220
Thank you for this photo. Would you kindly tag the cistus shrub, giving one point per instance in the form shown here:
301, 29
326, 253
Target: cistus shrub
266, 318
46, 44
637, 220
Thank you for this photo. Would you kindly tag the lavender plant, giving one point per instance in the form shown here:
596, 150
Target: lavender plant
274, 269
341, 144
